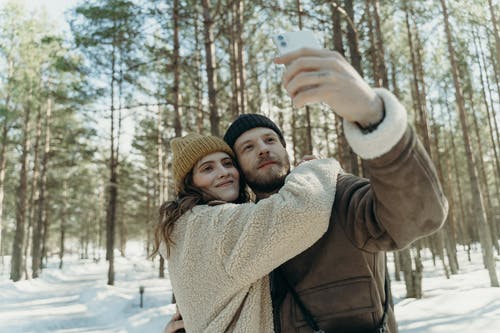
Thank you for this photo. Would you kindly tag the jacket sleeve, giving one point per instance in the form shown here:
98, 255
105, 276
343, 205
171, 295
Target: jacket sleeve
253, 239
403, 199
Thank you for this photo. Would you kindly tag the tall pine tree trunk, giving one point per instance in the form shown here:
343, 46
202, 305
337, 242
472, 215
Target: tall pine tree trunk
176, 69
21, 200
63, 223
496, 32
208, 24
380, 49
34, 184
478, 206
113, 180
352, 39
199, 82
239, 25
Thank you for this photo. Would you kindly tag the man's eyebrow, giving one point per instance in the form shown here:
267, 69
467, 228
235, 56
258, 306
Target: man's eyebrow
244, 142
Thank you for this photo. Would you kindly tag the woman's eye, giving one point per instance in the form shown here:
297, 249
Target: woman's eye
228, 164
206, 169
271, 139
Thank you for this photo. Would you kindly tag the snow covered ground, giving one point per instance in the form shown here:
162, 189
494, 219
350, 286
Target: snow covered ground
77, 299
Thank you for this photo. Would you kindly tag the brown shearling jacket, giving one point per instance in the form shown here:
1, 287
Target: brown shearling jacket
340, 278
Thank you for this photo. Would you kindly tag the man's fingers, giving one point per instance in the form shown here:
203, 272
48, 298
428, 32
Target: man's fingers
307, 80
311, 96
176, 316
303, 52
178, 325
302, 65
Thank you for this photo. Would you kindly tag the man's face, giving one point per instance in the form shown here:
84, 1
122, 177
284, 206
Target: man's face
262, 159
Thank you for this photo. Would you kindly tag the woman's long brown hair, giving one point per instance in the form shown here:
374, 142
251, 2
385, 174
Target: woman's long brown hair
188, 197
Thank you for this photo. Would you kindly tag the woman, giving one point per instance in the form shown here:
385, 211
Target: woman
220, 247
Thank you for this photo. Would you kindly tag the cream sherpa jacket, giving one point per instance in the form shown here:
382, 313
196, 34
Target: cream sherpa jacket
222, 254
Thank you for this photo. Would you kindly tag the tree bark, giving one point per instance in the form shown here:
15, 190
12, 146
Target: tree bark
64, 216
17, 245
176, 69
208, 24
35, 194
239, 10
199, 82
3, 155
381, 67
354, 165
490, 115
113, 180
496, 32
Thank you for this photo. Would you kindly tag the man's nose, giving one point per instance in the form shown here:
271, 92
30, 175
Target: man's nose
263, 148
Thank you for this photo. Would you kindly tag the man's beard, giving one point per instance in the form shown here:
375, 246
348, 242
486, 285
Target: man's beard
271, 185
271, 182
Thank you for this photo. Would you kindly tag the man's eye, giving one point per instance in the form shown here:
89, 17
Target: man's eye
246, 148
271, 139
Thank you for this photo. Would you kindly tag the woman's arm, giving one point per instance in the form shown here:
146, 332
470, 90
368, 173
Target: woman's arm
253, 239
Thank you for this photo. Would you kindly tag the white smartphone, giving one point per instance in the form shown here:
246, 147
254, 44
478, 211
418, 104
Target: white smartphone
291, 41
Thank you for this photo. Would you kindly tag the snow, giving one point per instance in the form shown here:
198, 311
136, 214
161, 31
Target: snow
77, 299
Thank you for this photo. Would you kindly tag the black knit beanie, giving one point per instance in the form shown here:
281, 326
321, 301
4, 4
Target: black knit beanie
246, 122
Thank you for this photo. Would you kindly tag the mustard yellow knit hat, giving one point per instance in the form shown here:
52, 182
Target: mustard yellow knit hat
190, 149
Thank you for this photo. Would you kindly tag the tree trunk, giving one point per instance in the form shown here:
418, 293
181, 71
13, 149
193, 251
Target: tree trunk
308, 129
199, 82
17, 244
447, 235
482, 173
113, 180
34, 191
352, 38
381, 68
412, 277
490, 115
478, 208
467, 237
239, 24
3, 165
496, 32
208, 24
415, 82
397, 266
176, 69
64, 216
338, 45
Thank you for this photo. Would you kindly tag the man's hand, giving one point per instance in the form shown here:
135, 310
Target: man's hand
314, 76
176, 323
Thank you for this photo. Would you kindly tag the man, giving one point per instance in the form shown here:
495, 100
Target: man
339, 284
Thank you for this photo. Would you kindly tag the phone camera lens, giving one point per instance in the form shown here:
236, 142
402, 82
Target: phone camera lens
283, 44
280, 37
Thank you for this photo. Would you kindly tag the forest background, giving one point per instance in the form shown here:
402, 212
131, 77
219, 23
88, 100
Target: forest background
86, 116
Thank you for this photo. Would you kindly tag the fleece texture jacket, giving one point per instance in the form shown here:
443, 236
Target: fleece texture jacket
223, 254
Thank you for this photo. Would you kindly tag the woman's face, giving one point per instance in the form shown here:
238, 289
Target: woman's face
216, 175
